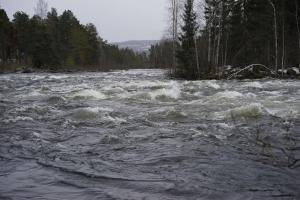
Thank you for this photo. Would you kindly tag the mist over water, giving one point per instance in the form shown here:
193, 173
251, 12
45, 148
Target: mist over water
137, 135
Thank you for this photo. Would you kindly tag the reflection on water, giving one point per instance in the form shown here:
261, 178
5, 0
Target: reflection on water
136, 135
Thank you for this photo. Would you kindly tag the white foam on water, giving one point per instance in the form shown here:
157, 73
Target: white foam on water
98, 109
277, 98
173, 92
105, 109
277, 84
224, 126
145, 84
165, 93
18, 118
271, 92
37, 77
285, 112
110, 139
197, 133
112, 89
84, 113
193, 102
89, 113
89, 94
36, 134
57, 77
213, 84
34, 93
252, 110
68, 124
22, 108
202, 84
61, 146
227, 95
116, 120
251, 95
56, 99
151, 90
254, 84
39, 110
83, 86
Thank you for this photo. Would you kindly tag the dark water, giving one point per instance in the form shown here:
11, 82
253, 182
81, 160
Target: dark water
136, 135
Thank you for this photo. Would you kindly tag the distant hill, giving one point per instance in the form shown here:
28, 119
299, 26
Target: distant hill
137, 45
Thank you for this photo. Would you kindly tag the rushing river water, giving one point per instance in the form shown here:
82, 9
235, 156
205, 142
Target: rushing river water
137, 135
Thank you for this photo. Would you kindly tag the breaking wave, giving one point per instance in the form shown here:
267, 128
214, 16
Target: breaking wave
252, 110
166, 94
89, 94
227, 95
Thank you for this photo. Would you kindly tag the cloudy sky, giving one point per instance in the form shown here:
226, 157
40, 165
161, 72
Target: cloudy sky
116, 20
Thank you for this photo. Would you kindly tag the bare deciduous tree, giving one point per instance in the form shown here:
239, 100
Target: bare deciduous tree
275, 33
175, 11
41, 9
283, 46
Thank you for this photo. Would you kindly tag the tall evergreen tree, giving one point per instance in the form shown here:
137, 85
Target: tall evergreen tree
22, 36
53, 31
4, 37
186, 54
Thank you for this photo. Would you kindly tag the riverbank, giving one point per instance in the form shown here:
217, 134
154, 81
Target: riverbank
255, 71
28, 70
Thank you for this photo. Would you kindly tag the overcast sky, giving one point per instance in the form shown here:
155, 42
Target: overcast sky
116, 20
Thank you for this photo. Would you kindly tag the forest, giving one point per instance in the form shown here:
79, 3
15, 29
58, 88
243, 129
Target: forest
209, 37
48, 41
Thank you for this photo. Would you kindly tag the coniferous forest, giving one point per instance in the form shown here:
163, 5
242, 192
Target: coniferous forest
59, 43
207, 39
236, 33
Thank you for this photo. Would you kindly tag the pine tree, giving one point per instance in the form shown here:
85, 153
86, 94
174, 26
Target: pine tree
186, 54
53, 31
4, 36
22, 35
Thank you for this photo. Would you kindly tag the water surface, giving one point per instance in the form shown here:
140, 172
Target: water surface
137, 135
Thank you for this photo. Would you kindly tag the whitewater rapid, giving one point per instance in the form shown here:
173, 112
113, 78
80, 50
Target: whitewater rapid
138, 135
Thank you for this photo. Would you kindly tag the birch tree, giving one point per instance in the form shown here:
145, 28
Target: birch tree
275, 33
175, 13
41, 9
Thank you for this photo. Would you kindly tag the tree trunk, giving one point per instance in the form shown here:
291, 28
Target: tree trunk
219, 39
298, 30
174, 32
226, 49
209, 44
275, 34
197, 57
283, 46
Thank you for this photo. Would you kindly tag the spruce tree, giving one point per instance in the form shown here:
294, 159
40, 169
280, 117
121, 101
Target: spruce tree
186, 54
4, 37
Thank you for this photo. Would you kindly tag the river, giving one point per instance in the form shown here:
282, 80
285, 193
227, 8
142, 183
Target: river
138, 135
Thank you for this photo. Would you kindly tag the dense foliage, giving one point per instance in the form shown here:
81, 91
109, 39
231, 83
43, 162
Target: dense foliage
186, 53
239, 33
59, 43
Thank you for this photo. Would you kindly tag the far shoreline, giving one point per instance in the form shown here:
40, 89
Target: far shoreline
30, 70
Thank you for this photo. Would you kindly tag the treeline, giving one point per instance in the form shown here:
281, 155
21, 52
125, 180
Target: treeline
59, 43
236, 33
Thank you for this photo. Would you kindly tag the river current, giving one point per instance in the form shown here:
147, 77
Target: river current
138, 135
